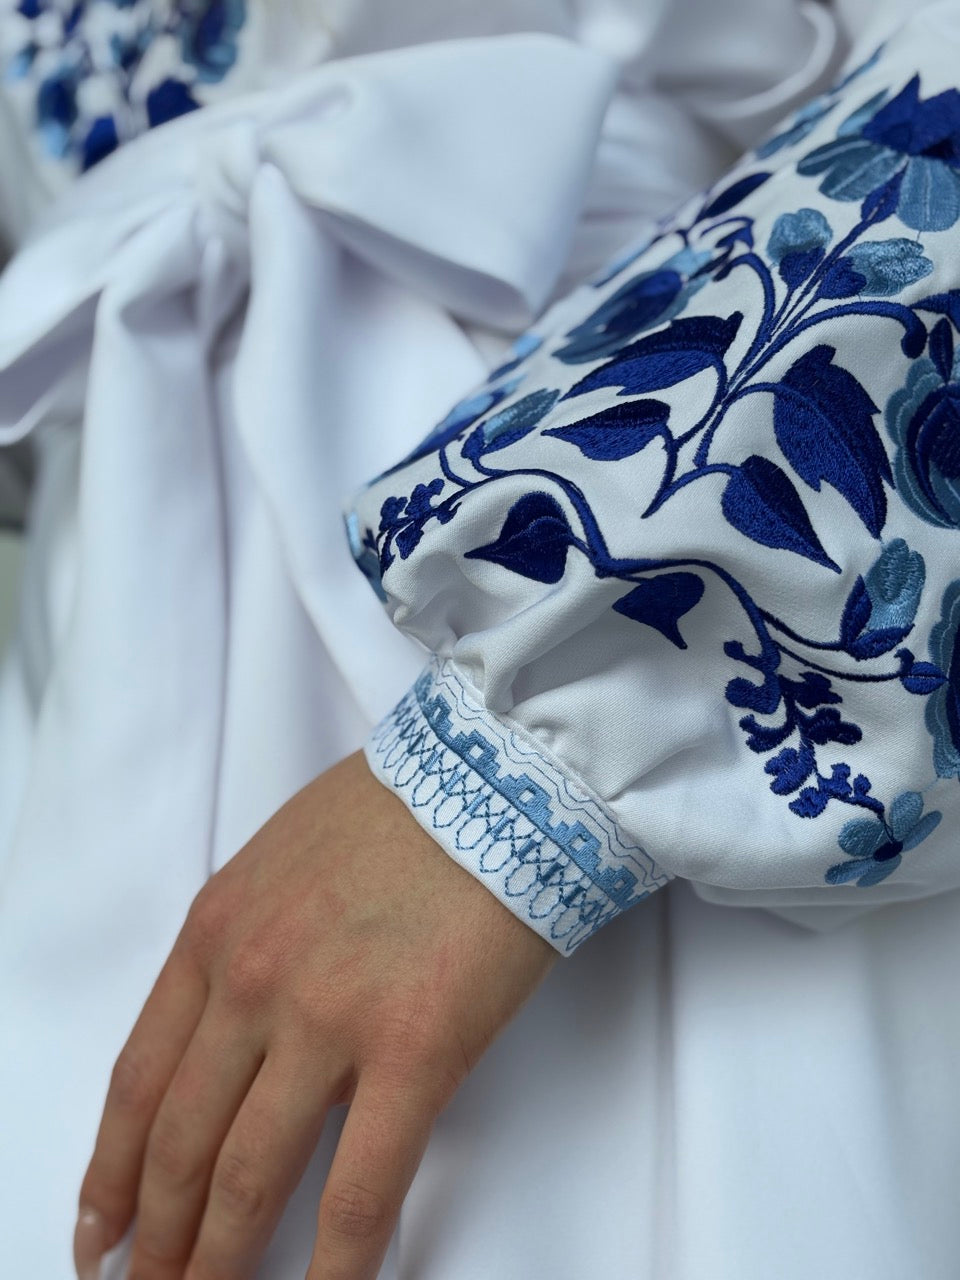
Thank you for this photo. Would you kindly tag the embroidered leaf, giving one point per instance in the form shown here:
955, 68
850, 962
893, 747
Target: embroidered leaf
533, 541
947, 304
823, 421
760, 501
662, 601
941, 349
930, 195
852, 167
733, 194
923, 678
856, 612
871, 644
662, 359
616, 432
641, 302
514, 422
883, 200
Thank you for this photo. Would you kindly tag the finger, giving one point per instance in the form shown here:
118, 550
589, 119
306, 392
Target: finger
262, 1160
206, 1092
380, 1148
138, 1082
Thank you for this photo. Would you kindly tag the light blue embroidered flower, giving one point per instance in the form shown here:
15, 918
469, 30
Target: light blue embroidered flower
797, 244
894, 586
943, 705
923, 419
876, 845
876, 268
899, 156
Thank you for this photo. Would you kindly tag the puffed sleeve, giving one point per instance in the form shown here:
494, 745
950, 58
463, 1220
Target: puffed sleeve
688, 563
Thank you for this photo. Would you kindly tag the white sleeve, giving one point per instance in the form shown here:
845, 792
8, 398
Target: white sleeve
688, 564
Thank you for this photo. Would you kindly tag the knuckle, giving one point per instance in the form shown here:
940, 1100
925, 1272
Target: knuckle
167, 1152
353, 1212
130, 1087
207, 919
406, 1036
248, 975
237, 1188
153, 1256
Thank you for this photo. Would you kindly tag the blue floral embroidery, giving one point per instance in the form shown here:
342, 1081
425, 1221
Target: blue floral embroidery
102, 48
943, 705
876, 845
893, 587
639, 343
923, 419
905, 155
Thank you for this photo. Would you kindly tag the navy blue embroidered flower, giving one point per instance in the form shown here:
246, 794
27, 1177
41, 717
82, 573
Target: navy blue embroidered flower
649, 299
894, 586
923, 419
943, 705
904, 153
876, 845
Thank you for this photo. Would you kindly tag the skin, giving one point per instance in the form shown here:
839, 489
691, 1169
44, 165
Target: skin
341, 957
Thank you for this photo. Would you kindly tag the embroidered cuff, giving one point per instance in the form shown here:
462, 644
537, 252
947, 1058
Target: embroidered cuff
507, 813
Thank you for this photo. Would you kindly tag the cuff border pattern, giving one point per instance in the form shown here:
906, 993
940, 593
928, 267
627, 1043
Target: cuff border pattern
506, 813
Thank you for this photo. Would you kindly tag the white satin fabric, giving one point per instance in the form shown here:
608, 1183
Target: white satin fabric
213, 338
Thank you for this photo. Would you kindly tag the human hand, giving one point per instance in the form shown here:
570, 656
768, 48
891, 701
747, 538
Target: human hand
341, 957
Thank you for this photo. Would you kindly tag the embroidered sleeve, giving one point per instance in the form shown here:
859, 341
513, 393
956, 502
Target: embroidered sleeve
689, 561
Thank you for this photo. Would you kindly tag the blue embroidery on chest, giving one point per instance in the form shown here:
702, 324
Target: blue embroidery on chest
94, 84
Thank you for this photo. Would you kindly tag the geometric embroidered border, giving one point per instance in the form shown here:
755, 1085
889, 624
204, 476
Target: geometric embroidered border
508, 815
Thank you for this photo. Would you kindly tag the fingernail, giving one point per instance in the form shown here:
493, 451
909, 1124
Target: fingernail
89, 1244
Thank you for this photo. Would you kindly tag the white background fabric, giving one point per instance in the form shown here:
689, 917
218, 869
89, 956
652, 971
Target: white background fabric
704, 1091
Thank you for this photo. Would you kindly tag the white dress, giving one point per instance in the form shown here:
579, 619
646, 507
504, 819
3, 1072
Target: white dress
214, 337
